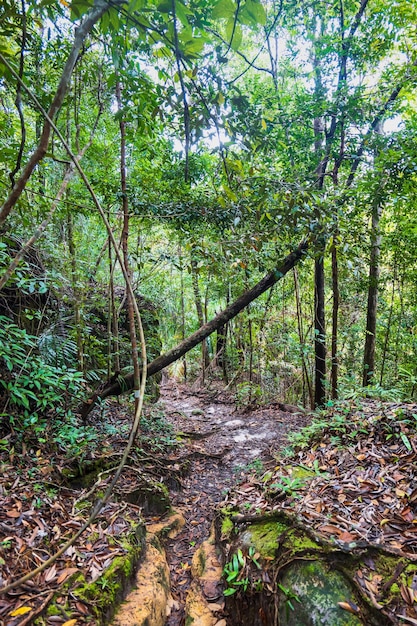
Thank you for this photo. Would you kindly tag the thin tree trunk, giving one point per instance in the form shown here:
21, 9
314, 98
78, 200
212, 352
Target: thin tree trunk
368, 372
387, 334
335, 316
125, 248
76, 295
199, 309
184, 361
371, 314
217, 322
306, 376
319, 334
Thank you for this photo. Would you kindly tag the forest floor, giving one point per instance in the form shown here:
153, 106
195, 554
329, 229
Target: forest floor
358, 485
226, 444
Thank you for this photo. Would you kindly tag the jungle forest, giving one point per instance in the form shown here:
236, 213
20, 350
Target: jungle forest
208, 316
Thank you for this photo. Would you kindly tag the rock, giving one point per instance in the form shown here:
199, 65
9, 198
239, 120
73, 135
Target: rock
206, 586
147, 604
314, 591
196, 608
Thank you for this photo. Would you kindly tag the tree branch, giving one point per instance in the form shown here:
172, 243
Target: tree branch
125, 383
99, 8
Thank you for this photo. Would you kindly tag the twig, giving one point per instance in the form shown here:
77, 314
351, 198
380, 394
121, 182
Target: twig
38, 610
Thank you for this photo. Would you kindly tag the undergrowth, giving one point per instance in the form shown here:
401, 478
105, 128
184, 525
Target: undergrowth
346, 421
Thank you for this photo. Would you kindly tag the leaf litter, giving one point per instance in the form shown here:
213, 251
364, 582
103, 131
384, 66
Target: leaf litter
351, 477
357, 487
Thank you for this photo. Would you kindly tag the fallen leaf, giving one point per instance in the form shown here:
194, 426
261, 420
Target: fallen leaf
21, 611
66, 573
70, 622
82, 608
407, 594
349, 606
50, 574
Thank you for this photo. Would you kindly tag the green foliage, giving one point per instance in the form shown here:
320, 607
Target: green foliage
234, 572
32, 389
157, 433
247, 393
290, 597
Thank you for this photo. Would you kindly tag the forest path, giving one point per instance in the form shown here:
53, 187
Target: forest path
223, 444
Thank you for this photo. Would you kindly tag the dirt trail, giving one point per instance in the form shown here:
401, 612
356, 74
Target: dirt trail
222, 444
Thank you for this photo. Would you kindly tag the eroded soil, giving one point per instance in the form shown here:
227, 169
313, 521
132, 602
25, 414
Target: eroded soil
223, 444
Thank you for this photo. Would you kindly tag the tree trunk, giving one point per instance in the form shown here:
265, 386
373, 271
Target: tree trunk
76, 295
184, 361
199, 309
125, 237
125, 384
319, 333
371, 310
387, 333
369, 352
306, 376
335, 315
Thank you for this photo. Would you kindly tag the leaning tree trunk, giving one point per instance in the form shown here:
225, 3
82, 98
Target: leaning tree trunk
125, 384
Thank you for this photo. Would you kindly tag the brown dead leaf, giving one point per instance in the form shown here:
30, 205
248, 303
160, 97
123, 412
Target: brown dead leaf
82, 608
407, 595
349, 606
68, 571
50, 574
329, 528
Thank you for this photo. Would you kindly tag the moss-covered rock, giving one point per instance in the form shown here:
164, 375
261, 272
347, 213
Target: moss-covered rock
297, 563
310, 594
104, 594
147, 604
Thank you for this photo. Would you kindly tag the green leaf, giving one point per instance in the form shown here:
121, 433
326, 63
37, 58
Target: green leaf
224, 9
79, 7
234, 33
406, 441
229, 592
254, 13
193, 48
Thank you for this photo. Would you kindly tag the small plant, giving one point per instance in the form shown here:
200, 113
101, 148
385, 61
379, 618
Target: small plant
32, 388
288, 484
289, 598
234, 572
247, 393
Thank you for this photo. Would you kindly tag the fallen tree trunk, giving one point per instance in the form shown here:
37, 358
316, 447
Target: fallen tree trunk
124, 384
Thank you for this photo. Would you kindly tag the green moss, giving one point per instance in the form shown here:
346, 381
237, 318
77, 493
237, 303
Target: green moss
394, 589
300, 542
227, 527
264, 537
108, 590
